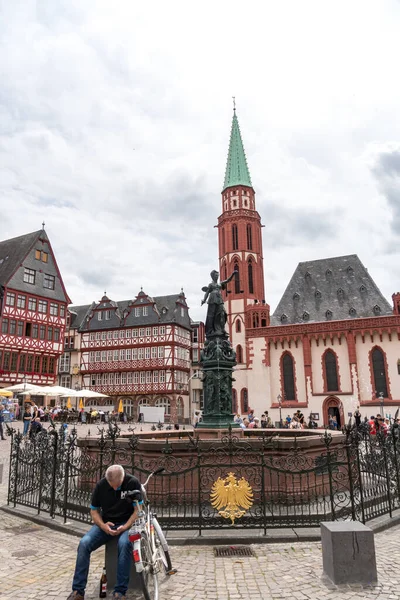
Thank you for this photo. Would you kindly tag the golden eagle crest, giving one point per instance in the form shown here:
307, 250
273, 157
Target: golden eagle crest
232, 494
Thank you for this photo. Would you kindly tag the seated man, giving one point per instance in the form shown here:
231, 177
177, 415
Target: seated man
113, 516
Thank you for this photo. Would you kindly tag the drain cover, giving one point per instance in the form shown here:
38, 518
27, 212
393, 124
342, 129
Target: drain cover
233, 551
24, 553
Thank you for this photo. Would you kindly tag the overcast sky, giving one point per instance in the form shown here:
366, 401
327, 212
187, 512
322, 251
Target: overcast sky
114, 128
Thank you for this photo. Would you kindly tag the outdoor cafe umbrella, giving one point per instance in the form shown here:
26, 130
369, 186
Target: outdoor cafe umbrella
6, 393
81, 406
69, 405
22, 387
84, 394
120, 407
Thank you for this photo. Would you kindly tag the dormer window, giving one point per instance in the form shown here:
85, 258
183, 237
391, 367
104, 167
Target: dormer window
363, 289
107, 315
318, 294
307, 276
350, 270
100, 316
352, 312
328, 314
284, 318
328, 273
306, 316
296, 296
340, 293
145, 311
377, 309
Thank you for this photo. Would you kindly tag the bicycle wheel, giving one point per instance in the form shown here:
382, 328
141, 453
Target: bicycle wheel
160, 541
148, 577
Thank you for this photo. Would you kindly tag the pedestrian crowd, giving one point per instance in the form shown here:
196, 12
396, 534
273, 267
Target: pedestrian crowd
295, 421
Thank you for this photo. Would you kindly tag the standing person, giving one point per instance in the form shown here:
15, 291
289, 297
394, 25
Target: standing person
357, 416
113, 515
1, 422
27, 418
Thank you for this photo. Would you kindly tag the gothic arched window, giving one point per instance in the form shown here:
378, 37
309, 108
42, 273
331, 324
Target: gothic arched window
238, 326
244, 401
249, 238
288, 377
234, 402
223, 240
239, 354
331, 374
379, 371
250, 276
235, 238
237, 277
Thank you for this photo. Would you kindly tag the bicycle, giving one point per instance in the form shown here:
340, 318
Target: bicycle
150, 548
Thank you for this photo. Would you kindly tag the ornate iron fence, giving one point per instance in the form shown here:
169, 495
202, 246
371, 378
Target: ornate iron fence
357, 479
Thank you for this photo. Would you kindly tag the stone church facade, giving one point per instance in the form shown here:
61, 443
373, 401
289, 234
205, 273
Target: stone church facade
332, 343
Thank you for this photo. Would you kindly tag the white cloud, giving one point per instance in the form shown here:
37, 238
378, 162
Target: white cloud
114, 128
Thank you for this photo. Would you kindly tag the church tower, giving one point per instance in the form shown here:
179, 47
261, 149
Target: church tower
240, 249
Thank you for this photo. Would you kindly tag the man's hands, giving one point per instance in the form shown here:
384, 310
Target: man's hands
110, 529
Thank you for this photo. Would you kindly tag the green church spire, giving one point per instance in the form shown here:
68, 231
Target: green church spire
237, 171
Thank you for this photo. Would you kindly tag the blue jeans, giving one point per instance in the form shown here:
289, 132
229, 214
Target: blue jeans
92, 540
26, 427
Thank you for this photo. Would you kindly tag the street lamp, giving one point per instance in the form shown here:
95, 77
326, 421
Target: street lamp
381, 401
279, 398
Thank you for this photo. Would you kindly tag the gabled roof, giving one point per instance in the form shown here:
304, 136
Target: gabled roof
237, 171
330, 289
13, 253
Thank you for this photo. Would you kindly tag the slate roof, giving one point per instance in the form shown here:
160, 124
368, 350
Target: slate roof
166, 310
330, 289
13, 253
236, 172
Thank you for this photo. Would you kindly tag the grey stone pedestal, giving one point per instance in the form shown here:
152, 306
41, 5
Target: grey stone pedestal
348, 552
111, 561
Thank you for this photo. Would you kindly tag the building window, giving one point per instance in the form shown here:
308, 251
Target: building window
62, 310
40, 255
239, 354
56, 334
21, 301
108, 315
116, 355
235, 238
223, 240
115, 335
237, 277
6, 361
145, 311
288, 377
54, 309
42, 332
331, 375
32, 304
244, 400
49, 281
160, 351
234, 402
20, 328
29, 363
14, 361
10, 299
36, 367
104, 335
195, 355
238, 326
249, 238
379, 371
29, 276
42, 306
13, 326
148, 330
35, 331
4, 326
250, 276
137, 311
99, 316
164, 403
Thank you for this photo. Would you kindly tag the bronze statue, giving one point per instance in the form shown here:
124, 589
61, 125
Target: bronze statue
216, 313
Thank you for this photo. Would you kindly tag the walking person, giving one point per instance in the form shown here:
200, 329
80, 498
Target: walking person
1, 422
113, 515
27, 418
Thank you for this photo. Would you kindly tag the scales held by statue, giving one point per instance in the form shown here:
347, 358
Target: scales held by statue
217, 359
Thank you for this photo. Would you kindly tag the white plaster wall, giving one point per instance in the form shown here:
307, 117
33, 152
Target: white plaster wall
258, 379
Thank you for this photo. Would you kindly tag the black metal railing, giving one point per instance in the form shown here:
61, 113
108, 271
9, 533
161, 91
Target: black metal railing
357, 478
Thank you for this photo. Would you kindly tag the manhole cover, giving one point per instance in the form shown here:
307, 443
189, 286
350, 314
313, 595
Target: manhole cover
19, 530
24, 553
233, 551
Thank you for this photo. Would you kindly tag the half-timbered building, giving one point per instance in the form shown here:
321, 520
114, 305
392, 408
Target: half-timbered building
33, 304
331, 344
137, 351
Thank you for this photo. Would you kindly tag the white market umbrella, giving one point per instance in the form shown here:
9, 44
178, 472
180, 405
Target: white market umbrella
85, 394
22, 387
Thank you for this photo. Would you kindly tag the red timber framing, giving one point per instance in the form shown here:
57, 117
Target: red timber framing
148, 360
355, 331
30, 341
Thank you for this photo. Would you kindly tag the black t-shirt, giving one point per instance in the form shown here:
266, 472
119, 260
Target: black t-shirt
112, 503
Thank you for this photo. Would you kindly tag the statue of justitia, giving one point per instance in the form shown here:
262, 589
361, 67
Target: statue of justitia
216, 313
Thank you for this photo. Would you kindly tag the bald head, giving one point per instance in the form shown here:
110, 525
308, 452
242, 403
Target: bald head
115, 476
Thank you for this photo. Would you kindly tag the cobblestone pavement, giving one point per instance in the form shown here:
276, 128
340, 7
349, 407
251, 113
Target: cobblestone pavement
37, 562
